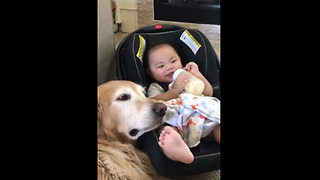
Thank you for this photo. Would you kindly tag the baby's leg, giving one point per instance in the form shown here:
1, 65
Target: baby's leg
174, 147
216, 133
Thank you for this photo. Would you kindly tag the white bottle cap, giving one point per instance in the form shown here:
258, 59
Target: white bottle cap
176, 73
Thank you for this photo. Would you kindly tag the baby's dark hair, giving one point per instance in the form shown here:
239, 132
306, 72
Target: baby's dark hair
150, 46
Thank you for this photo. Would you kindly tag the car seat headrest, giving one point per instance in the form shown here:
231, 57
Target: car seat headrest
190, 44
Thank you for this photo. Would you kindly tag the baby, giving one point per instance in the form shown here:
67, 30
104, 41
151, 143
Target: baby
178, 135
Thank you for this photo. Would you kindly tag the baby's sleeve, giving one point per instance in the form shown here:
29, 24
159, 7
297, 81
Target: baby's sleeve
154, 90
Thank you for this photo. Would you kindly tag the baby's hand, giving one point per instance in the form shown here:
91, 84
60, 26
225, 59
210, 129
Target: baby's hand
180, 82
192, 68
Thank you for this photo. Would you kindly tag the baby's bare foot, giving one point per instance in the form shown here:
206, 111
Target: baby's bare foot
174, 147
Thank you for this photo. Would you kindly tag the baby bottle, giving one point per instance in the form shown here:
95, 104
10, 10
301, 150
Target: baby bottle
195, 86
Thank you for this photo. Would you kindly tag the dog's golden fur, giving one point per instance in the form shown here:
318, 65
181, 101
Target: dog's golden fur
124, 113
118, 160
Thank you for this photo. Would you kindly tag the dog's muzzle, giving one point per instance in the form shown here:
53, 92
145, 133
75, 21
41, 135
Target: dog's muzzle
159, 110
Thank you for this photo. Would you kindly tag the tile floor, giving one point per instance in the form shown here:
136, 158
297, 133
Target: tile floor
118, 36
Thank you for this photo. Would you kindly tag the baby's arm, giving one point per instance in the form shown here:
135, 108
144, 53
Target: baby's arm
177, 88
193, 69
168, 95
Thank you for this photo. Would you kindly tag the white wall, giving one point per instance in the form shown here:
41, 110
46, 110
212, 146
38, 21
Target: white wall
106, 46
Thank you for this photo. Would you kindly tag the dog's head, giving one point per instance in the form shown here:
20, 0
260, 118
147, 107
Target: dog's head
124, 109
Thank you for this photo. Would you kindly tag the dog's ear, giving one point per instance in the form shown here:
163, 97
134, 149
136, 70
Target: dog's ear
104, 132
99, 111
99, 116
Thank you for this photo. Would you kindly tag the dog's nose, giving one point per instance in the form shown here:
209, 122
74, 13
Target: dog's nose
160, 109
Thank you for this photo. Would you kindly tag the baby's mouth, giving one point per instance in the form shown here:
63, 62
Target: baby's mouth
170, 74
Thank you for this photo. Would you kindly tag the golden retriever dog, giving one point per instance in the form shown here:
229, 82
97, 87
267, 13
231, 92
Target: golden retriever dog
124, 114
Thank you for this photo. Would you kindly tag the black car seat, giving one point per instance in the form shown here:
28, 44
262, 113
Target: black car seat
192, 45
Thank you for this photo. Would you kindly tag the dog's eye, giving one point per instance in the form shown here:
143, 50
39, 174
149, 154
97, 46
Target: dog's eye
124, 97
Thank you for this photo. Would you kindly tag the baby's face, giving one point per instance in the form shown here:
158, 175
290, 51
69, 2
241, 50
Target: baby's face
163, 62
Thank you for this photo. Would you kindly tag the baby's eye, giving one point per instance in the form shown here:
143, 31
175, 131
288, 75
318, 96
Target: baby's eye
173, 61
161, 66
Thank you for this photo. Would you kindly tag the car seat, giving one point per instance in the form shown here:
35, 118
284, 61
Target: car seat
192, 45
